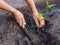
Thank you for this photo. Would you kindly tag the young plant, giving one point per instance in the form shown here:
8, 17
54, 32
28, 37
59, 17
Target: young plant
49, 6
41, 15
37, 30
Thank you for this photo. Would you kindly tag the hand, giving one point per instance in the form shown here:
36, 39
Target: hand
39, 23
19, 18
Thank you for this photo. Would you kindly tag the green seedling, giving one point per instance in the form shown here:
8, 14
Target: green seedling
37, 29
41, 15
49, 6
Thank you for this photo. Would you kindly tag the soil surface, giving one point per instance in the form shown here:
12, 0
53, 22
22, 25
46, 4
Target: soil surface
12, 34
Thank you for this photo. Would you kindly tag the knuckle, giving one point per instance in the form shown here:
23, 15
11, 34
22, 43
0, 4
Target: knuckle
42, 24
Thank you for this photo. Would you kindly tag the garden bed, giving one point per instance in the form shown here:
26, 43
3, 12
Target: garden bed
12, 34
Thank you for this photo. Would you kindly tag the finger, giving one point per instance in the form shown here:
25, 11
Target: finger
37, 23
23, 21
42, 23
20, 22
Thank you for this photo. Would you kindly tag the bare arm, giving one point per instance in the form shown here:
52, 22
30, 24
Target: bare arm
17, 14
35, 13
31, 5
5, 6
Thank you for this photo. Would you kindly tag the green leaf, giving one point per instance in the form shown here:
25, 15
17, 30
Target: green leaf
49, 6
47, 3
41, 15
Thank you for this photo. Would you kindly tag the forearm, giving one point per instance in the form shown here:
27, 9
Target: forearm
7, 7
31, 5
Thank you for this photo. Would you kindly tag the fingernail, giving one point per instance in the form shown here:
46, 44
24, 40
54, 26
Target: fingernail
24, 23
23, 26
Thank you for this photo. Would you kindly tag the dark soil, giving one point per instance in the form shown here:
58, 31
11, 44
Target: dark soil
12, 34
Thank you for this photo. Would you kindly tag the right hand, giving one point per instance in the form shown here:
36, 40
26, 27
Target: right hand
19, 18
39, 23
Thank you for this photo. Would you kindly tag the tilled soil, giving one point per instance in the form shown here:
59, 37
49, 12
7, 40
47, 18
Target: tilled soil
12, 34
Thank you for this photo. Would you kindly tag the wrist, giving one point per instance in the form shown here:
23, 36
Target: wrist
36, 12
13, 10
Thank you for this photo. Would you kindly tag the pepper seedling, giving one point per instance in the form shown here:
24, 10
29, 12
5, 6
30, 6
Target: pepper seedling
37, 30
41, 15
49, 6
